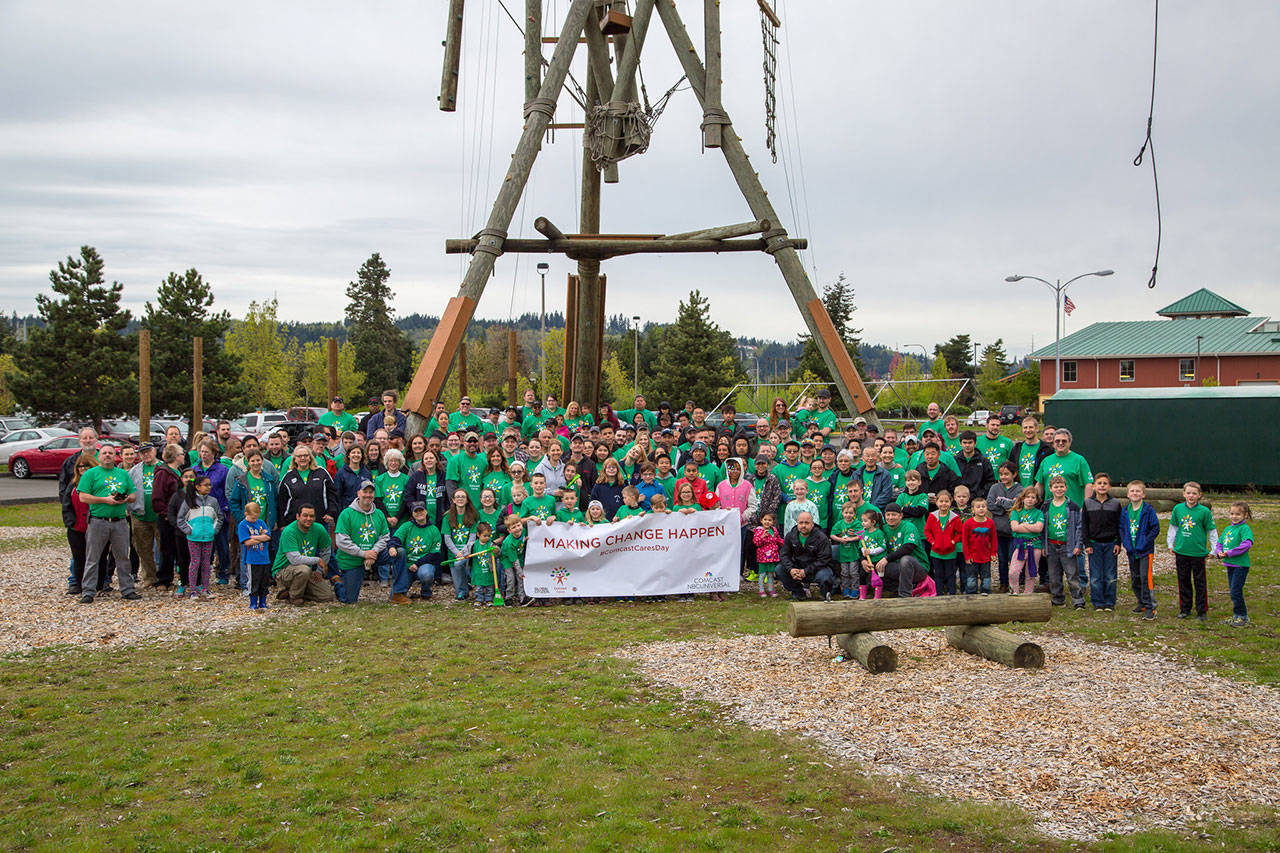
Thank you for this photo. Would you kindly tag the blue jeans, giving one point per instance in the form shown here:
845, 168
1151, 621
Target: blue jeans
426, 573
400, 578
349, 590
977, 577
1236, 576
460, 571
1004, 552
1082, 567
1102, 574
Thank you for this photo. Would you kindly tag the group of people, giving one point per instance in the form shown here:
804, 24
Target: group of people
824, 510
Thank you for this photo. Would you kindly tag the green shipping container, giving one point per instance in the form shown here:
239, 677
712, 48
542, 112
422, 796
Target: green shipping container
1215, 436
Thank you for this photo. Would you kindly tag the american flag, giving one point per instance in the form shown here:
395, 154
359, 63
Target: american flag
1068, 306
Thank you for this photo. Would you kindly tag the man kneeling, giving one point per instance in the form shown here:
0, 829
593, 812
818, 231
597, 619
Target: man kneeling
363, 538
302, 560
806, 558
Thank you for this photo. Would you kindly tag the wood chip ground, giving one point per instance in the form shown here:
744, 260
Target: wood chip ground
1101, 740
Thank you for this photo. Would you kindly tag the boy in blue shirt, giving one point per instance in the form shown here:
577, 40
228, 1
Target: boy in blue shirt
254, 536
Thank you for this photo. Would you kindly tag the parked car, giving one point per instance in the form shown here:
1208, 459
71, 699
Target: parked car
45, 459
8, 425
1012, 414
254, 423
978, 418
292, 428
26, 439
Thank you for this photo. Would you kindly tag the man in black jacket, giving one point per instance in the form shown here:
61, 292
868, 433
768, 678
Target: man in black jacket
806, 558
934, 475
975, 469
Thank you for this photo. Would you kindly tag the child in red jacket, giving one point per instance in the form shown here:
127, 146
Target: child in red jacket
942, 530
979, 542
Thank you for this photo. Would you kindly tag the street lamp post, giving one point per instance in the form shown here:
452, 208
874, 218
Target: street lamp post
635, 390
1058, 289
543, 268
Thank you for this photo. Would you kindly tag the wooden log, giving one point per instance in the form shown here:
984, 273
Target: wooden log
720, 232
452, 58
995, 644
197, 388
1170, 496
827, 618
331, 384
144, 385
868, 650
607, 247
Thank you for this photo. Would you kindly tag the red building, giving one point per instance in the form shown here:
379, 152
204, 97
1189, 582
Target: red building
1205, 339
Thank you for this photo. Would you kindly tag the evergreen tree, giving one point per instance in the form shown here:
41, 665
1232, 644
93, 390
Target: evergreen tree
267, 357
182, 313
996, 351
699, 360
383, 351
989, 375
79, 365
957, 354
8, 339
838, 299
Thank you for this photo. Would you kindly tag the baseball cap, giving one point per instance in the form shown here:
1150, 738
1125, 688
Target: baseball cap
336, 400
417, 505
911, 439
824, 393
808, 442
365, 484
470, 436
699, 445
790, 442
859, 420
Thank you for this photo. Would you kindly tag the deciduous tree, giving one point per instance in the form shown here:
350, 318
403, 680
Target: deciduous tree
266, 355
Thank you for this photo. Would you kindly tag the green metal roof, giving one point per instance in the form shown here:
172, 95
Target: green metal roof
1219, 336
1203, 301
1219, 392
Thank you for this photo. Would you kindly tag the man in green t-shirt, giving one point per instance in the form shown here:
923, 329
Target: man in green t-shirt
1072, 466
934, 423
143, 524
824, 416
993, 445
339, 418
464, 419
790, 468
302, 560
107, 490
466, 470
363, 538
628, 416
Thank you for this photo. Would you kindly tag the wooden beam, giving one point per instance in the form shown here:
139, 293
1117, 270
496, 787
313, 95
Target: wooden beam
769, 13
462, 368
723, 232
608, 247
868, 650
144, 385
452, 58
547, 228
532, 48
748, 180
331, 345
624, 87
828, 618
847, 373
431, 373
992, 643
197, 389
714, 118
570, 339
429, 380
513, 363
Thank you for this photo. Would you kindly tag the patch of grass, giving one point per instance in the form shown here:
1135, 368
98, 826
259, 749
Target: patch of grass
45, 538
46, 514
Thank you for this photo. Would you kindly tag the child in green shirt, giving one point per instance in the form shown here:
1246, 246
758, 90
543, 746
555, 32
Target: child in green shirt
511, 557
483, 565
630, 504
847, 536
1192, 537
1233, 550
568, 511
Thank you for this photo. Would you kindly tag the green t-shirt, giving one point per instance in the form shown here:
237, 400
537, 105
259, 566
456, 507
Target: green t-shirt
100, 483
919, 499
1191, 526
710, 472
820, 494
390, 487
788, 474
840, 491
257, 491
628, 416
458, 422
531, 424
946, 457
907, 534
848, 552
512, 552
468, 472
346, 422
1026, 516
364, 529
500, 483
574, 424
800, 422
148, 479
1027, 463
936, 426
1234, 535
418, 541
952, 443
901, 456
570, 516
1056, 518
996, 449
825, 419
1073, 467
540, 508
874, 545
492, 517
625, 511
313, 543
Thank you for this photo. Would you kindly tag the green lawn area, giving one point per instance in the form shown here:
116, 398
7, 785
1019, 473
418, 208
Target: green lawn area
447, 728
47, 514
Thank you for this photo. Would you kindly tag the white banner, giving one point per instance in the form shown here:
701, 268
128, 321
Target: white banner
655, 554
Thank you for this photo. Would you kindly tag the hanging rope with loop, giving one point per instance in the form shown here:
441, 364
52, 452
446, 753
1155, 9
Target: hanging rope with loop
769, 24
1149, 147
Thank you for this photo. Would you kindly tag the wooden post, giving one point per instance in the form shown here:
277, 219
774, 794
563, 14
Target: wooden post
828, 618
144, 385
513, 364
452, 58
331, 386
462, 369
868, 650
713, 115
197, 389
434, 369
854, 394
992, 643
624, 87
532, 49
589, 301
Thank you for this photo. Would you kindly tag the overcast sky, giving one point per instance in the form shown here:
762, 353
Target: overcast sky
933, 149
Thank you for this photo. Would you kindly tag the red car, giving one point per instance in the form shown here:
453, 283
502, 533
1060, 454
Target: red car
45, 459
